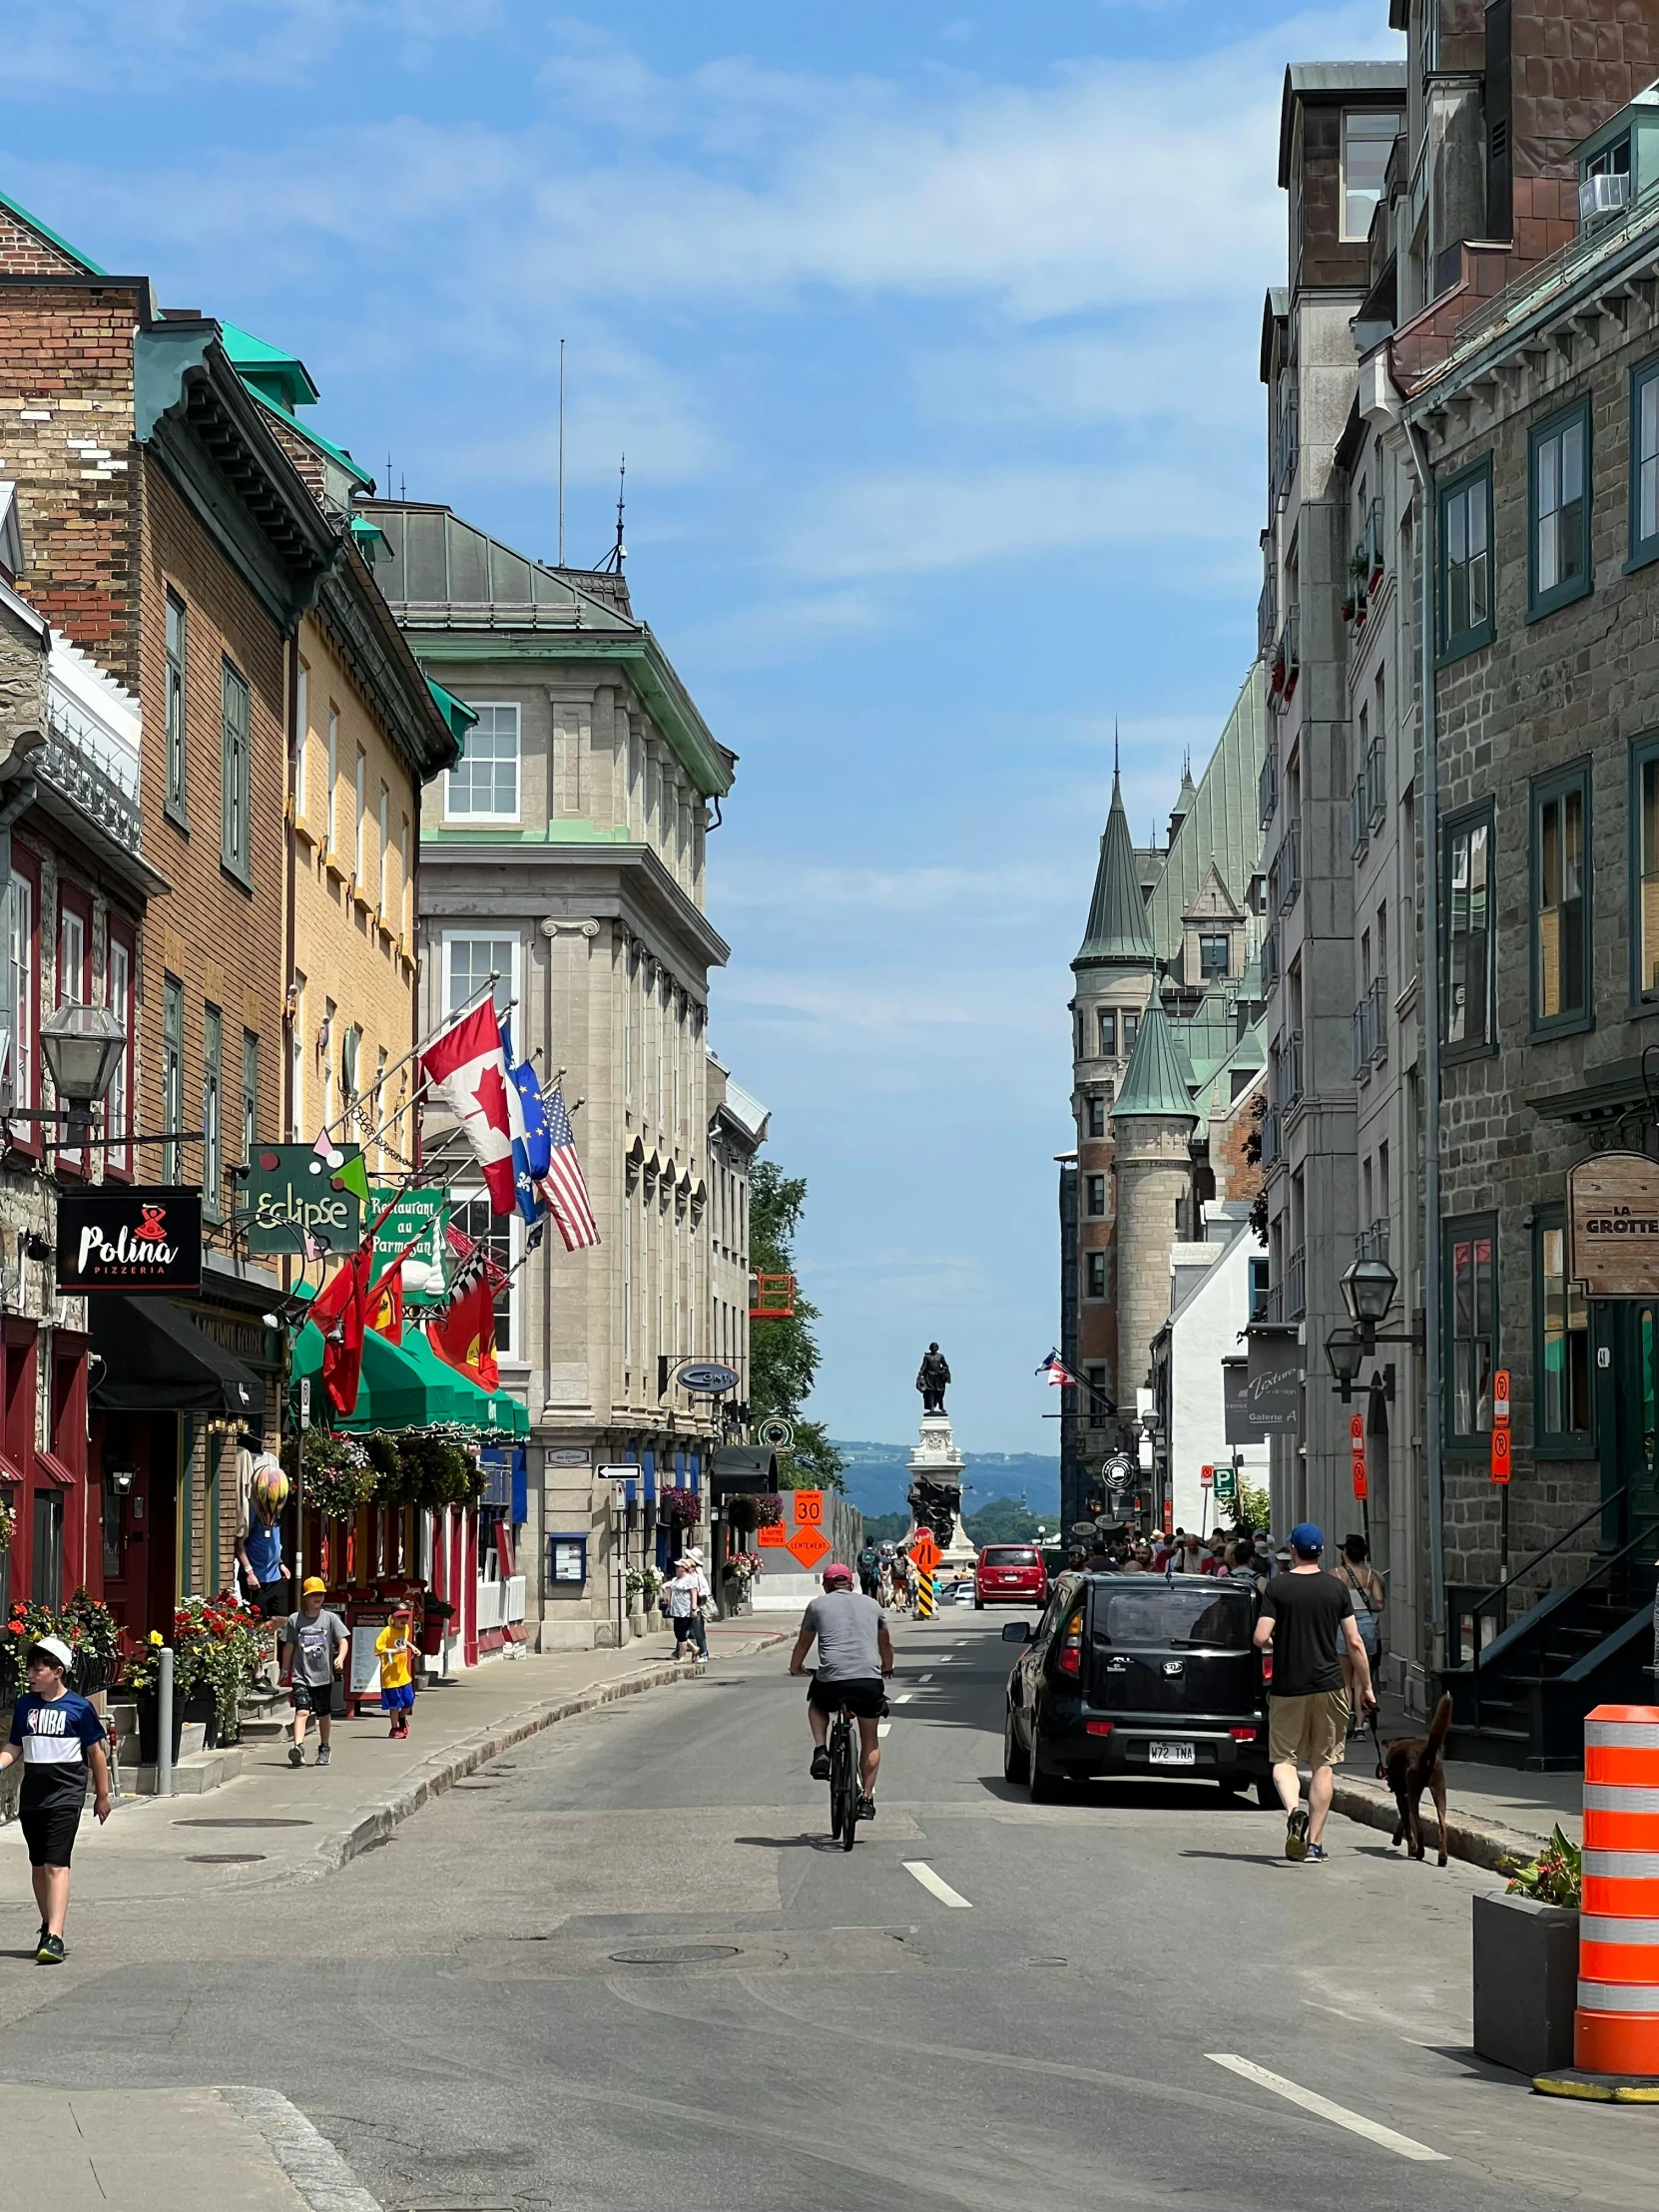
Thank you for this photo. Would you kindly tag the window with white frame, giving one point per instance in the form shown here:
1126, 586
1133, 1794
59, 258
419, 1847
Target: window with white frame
484, 785
384, 855
359, 796
470, 962
331, 807
301, 721
17, 1001
499, 1235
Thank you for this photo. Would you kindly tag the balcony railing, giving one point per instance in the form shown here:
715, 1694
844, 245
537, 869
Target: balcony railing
98, 777
1267, 620
1285, 872
1374, 543
1362, 1039
1273, 1138
1296, 1284
1377, 999
1373, 1243
1290, 444
1290, 1065
1287, 663
1270, 958
1266, 784
1359, 815
1270, 1303
1376, 794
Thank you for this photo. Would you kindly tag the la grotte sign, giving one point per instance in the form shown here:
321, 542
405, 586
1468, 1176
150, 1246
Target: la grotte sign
1613, 1220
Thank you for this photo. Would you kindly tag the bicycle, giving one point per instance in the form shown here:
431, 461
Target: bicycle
845, 1787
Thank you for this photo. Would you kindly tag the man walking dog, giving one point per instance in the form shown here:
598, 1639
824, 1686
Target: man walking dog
1308, 1619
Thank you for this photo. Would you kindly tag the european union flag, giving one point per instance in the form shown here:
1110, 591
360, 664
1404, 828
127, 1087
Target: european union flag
527, 1117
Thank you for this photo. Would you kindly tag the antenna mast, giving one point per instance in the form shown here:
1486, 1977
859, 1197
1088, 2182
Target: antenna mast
612, 563
561, 452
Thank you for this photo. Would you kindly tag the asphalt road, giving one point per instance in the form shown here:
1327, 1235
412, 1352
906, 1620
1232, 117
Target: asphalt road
624, 1968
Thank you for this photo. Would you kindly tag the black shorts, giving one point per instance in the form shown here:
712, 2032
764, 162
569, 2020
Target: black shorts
49, 1832
270, 1598
312, 1697
864, 1700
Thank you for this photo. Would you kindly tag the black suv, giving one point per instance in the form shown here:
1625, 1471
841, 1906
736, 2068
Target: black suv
1139, 1674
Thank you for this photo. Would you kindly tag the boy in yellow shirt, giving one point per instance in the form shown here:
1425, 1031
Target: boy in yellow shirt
396, 1670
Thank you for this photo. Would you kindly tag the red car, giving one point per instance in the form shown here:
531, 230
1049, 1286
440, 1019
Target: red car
1009, 1574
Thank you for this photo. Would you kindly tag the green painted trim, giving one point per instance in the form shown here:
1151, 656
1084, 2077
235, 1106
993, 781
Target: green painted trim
1571, 588
1574, 777
46, 230
556, 832
653, 677
335, 453
459, 716
1554, 1443
1449, 647
1469, 1226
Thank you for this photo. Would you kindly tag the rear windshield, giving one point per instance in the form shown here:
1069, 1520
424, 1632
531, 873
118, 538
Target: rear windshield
1008, 1555
1161, 1616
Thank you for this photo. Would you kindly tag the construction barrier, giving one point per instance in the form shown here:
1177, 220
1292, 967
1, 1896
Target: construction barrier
1616, 2024
924, 1593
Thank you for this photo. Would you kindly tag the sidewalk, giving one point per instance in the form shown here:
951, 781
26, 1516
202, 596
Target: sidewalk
1492, 1812
277, 1823
152, 2151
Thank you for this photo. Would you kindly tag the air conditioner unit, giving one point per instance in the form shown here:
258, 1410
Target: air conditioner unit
1599, 197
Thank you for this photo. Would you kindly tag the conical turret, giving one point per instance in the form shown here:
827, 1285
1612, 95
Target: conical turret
1158, 1076
1118, 932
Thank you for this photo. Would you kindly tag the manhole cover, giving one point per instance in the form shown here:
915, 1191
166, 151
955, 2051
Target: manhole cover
675, 1954
224, 1857
241, 1824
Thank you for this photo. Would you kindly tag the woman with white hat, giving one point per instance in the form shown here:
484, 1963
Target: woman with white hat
685, 1595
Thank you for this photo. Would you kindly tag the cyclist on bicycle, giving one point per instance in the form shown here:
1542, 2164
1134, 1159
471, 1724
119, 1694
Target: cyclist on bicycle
854, 1652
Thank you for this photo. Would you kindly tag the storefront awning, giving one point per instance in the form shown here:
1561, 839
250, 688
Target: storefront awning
469, 1402
734, 1469
156, 1360
391, 1391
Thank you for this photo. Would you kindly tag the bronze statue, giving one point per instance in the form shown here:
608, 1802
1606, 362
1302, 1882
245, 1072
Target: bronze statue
932, 1377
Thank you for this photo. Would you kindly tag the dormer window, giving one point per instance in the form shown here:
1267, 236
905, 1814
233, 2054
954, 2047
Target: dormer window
1367, 140
1213, 955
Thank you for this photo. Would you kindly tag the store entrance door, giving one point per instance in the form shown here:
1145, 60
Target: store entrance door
1628, 1406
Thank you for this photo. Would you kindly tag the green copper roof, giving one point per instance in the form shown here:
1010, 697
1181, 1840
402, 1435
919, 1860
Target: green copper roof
35, 224
277, 375
457, 713
1221, 824
1117, 933
1157, 1079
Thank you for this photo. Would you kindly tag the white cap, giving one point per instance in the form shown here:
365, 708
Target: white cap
54, 1648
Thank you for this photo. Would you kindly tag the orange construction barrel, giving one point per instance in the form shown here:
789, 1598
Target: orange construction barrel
1616, 2023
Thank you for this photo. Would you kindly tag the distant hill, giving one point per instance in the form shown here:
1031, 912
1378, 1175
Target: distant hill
877, 1481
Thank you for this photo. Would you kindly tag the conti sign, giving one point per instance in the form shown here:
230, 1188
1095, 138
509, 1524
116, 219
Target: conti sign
1613, 1210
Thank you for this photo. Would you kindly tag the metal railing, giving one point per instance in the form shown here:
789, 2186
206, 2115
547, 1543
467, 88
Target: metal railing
1270, 1303
1290, 1066
1296, 1284
1374, 541
1376, 1002
1290, 444
1270, 957
1266, 619
1359, 815
101, 780
1266, 784
1376, 797
1362, 1039
1273, 1138
1285, 875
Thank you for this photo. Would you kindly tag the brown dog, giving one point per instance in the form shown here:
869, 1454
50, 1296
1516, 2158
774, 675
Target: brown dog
1412, 1763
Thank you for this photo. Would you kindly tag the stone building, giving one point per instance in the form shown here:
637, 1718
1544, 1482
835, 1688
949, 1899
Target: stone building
1175, 929
565, 858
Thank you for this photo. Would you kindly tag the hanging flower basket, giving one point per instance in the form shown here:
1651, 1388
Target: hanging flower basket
339, 1475
678, 1508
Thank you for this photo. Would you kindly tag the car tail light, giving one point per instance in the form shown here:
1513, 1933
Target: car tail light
1100, 1728
1071, 1648
1242, 1734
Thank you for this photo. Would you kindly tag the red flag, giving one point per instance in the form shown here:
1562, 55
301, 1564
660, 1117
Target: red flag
386, 1304
466, 1063
464, 1333
340, 1310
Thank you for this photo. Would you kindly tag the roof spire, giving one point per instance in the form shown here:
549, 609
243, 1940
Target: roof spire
1117, 934
1114, 749
1159, 1077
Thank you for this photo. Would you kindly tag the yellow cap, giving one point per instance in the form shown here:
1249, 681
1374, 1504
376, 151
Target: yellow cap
311, 1583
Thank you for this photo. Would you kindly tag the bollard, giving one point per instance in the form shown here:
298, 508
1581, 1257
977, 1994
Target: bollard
164, 1723
1616, 2026
925, 1594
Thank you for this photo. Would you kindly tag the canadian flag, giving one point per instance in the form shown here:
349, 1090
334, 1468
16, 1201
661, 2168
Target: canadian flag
466, 1063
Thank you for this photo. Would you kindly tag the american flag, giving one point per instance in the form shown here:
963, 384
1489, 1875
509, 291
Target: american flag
563, 1186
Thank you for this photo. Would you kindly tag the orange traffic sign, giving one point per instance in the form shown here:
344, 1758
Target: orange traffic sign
810, 1545
1357, 1431
773, 1538
1206, 1478
1500, 1453
808, 1508
924, 1551
1500, 1398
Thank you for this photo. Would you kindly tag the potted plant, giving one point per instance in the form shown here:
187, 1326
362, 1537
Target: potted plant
218, 1644
339, 1474
678, 1508
1526, 1961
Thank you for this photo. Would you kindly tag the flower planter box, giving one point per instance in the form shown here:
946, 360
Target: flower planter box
1526, 1983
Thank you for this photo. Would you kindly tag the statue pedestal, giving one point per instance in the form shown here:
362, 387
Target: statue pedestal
934, 1459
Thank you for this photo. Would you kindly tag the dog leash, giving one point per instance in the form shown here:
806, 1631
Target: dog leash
1382, 1770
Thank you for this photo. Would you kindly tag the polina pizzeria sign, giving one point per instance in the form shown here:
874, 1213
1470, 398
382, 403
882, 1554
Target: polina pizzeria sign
118, 1238
1613, 1209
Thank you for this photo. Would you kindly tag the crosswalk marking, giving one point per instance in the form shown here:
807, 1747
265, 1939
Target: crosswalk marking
1311, 2102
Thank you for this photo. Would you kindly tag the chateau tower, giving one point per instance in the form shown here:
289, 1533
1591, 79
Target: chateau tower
1152, 1130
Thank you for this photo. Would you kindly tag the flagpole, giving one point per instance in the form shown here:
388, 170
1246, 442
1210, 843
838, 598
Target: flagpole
456, 1014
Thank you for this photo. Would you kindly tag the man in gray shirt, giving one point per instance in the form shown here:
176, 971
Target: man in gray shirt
854, 1652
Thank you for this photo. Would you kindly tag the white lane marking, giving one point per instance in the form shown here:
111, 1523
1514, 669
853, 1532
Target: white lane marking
945, 1658
936, 1883
905, 1697
927, 1677
885, 1730
1311, 2102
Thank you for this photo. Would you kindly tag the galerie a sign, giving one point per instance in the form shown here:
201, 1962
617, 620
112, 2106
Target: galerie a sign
130, 1239
1613, 1214
291, 1192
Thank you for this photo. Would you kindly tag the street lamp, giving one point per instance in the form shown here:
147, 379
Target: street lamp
82, 1047
1367, 1289
1346, 1349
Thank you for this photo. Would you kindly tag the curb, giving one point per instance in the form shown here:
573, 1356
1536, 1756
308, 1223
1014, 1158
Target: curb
1479, 1843
472, 1751
317, 2171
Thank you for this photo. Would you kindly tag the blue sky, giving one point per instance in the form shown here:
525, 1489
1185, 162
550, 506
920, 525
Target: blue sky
930, 335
